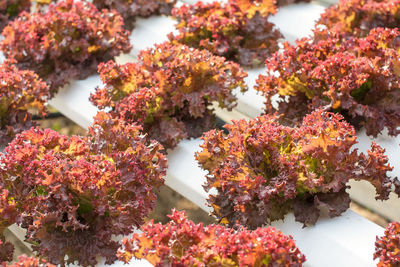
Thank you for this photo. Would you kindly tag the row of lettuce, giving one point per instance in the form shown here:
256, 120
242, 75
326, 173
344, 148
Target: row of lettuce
74, 194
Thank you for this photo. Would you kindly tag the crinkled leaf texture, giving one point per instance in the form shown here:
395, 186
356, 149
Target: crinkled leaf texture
358, 17
67, 42
357, 77
238, 30
25, 261
8, 216
21, 92
387, 247
169, 90
181, 242
9, 9
75, 193
262, 170
132, 9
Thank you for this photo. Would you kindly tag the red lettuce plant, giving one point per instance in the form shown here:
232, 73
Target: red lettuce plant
9, 9
181, 242
238, 30
76, 193
21, 92
8, 216
131, 9
262, 170
170, 90
358, 17
25, 261
387, 247
67, 42
358, 78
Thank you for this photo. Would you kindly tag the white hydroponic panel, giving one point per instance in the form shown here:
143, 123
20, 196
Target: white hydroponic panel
251, 103
150, 31
296, 21
72, 100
